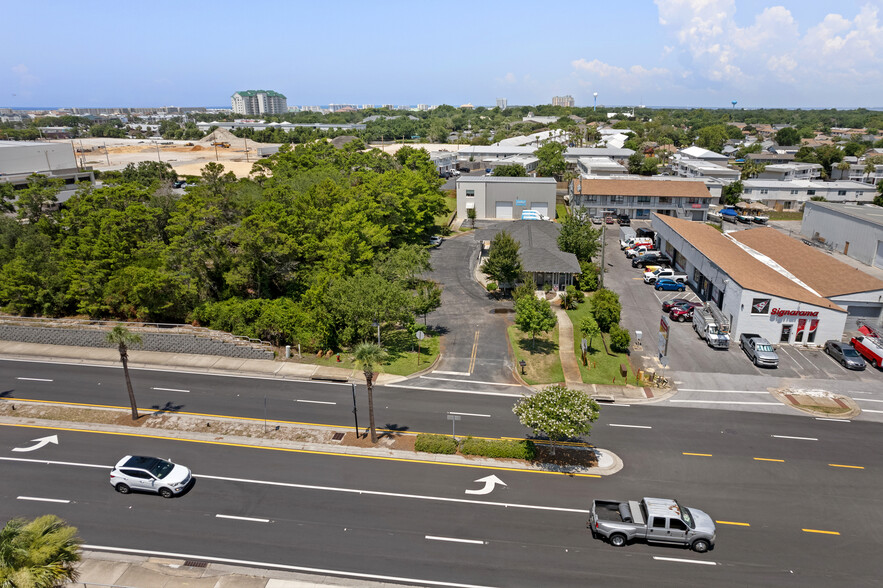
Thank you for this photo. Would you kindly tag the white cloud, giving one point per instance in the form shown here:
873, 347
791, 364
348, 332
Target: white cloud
25, 78
629, 79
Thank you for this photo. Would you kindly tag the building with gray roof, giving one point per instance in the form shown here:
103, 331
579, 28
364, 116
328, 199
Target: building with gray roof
855, 231
504, 197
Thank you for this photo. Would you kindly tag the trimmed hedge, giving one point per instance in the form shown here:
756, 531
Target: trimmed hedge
435, 444
523, 449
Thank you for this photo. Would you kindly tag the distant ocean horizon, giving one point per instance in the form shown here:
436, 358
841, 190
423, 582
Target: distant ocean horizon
607, 106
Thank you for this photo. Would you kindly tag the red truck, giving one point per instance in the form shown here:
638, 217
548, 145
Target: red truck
869, 345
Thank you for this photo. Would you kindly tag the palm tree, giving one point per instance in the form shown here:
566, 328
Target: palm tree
39, 553
369, 356
123, 337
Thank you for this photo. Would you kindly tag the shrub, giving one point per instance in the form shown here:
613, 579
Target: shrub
491, 286
547, 287
523, 449
571, 297
588, 278
435, 444
619, 338
606, 308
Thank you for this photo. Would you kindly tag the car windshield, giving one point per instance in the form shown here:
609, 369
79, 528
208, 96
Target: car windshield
160, 468
687, 516
849, 352
764, 347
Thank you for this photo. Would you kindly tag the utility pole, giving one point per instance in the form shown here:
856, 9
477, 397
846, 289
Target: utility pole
106, 155
157, 152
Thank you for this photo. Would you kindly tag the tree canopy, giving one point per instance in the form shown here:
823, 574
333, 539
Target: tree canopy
551, 156
503, 263
558, 412
577, 235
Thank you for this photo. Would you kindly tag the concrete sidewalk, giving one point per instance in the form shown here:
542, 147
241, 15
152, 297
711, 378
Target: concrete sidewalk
283, 369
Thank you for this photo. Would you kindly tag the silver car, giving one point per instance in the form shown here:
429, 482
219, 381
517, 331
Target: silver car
149, 474
845, 355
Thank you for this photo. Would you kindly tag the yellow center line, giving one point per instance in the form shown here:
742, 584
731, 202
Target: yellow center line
768, 459
291, 450
474, 353
837, 465
732, 523
818, 531
699, 454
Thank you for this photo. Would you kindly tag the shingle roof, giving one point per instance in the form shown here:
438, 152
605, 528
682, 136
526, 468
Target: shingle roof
539, 245
816, 269
741, 266
619, 187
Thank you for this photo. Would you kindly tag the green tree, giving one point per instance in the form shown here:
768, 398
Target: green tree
650, 166
403, 263
471, 214
751, 169
7, 196
534, 316
41, 553
149, 173
503, 264
123, 338
552, 163
732, 193
606, 308
558, 413
589, 278
515, 171
619, 339
788, 136
369, 357
871, 164
589, 328
712, 137
40, 193
636, 163
356, 303
878, 199
427, 298
577, 235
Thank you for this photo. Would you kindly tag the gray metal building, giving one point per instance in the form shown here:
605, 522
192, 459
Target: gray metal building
504, 197
856, 231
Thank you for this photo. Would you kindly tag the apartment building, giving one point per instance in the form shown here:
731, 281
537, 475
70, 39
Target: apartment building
259, 102
785, 172
639, 197
563, 101
792, 195
699, 168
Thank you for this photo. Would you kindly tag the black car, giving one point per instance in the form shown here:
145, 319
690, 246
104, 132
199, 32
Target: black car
624, 220
180, 184
642, 232
656, 258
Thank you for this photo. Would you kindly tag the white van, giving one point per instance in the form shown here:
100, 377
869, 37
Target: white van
533, 215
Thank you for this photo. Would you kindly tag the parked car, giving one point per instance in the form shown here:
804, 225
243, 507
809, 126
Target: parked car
624, 220
869, 345
669, 284
845, 355
643, 232
668, 304
658, 520
759, 350
651, 258
180, 184
597, 220
435, 241
149, 474
609, 220
650, 277
681, 312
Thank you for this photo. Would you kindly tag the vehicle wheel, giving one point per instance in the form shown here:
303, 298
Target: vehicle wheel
681, 289
681, 318
755, 362
617, 540
828, 351
166, 492
658, 288
123, 489
700, 546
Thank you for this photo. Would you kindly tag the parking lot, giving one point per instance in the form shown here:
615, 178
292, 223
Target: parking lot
642, 311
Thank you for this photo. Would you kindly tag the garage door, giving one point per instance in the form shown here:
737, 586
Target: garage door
541, 207
503, 210
865, 313
878, 259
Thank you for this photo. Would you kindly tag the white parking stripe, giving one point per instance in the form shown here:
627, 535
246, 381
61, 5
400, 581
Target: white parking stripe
454, 540
444, 373
692, 561
833, 420
873, 411
42, 499
250, 519
868, 400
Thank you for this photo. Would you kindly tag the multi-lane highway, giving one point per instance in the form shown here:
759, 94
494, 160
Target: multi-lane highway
796, 499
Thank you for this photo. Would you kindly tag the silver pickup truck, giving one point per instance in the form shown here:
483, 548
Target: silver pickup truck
658, 520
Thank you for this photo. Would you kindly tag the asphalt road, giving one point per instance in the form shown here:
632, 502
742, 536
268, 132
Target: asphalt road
403, 520
399, 408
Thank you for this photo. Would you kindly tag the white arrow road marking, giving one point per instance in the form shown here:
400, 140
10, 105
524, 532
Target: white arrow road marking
489, 483
42, 499
40, 443
35, 379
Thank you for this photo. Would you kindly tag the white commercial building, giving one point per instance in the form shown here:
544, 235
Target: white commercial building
504, 197
855, 231
639, 196
695, 152
786, 172
600, 166
259, 102
792, 195
20, 159
771, 284
699, 168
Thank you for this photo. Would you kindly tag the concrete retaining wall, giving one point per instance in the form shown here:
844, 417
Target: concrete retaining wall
165, 342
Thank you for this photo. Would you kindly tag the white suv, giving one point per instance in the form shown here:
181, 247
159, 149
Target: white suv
149, 474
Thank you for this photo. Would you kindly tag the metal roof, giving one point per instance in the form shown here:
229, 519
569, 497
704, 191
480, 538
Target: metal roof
505, 179
868, 212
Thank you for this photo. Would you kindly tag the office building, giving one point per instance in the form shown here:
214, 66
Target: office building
259, 102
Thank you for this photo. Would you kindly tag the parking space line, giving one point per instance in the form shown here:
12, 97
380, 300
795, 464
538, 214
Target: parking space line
249, 519
873, 411
833, 420
868, 400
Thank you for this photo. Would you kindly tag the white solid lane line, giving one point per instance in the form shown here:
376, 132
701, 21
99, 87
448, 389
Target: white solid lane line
454, 540
728, 402
315, 402
261, 564
833, 420
723, 391
34, 498
253, 520
867, 400
477, 392
444, 373
798, 438
35, 379
692, 561
630, 426
329, 488
873, 411
170, 390
467, 381
471, 414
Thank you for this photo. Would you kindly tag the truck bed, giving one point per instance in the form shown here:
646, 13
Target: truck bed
618, 512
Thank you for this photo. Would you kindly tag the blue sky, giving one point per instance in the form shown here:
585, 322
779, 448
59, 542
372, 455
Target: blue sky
810, 53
